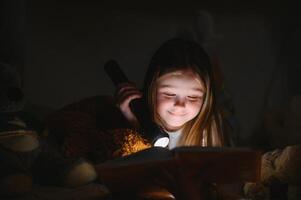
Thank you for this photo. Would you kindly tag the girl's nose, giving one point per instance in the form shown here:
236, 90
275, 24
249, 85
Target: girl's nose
181, 102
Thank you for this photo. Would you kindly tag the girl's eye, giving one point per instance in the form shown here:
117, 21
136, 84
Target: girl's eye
193, 98
169, 94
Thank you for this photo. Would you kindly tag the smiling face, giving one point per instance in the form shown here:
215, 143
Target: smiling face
179, 98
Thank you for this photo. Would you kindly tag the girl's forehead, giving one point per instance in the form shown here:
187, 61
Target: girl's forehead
181, 73
180, 76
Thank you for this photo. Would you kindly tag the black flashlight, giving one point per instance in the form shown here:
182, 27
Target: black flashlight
149, 129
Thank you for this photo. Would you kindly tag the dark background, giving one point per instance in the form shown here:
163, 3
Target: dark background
60, 47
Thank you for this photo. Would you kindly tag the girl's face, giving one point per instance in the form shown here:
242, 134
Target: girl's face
179, 98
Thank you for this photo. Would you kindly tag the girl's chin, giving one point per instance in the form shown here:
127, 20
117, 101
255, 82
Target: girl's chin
172, 128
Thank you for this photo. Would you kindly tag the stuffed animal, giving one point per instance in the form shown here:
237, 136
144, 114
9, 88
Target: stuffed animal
27, 156
280, 171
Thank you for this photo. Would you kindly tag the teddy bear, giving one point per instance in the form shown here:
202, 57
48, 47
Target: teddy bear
27, 154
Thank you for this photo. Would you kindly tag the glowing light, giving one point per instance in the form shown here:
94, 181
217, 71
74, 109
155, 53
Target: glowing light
162, 142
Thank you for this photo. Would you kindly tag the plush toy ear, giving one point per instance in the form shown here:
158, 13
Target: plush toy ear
81, 173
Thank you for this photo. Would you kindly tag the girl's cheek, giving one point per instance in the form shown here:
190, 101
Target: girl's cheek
163, 100
196, 105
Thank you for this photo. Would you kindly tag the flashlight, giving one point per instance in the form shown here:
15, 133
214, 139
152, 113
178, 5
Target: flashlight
149, 129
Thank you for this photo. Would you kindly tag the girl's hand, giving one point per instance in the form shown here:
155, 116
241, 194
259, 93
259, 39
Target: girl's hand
126, 92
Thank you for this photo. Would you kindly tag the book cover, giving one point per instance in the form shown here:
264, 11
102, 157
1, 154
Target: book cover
211, 164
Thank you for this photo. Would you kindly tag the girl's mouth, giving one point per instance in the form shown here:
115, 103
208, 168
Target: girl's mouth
176, 114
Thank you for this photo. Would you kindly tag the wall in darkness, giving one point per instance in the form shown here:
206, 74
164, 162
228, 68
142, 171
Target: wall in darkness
68, 44
12, 33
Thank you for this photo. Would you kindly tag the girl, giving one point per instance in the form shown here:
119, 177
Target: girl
179, 91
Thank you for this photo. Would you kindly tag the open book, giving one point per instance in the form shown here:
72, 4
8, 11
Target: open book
211, 164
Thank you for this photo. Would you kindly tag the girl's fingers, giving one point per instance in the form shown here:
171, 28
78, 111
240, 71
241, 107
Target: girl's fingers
128, 92
124, 101
125, 86
127, 96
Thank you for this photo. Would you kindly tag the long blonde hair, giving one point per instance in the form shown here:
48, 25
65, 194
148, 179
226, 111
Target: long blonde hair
179, 54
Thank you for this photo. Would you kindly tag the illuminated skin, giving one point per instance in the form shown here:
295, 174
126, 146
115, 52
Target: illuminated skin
179, 98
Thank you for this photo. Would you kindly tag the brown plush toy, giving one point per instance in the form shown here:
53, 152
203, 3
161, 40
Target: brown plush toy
26, 156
